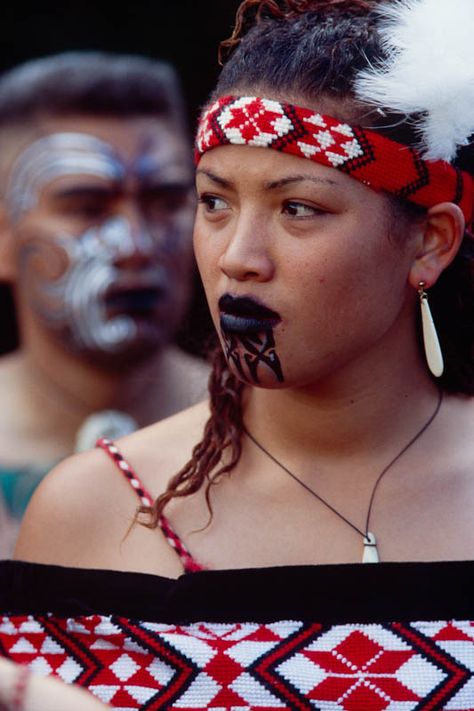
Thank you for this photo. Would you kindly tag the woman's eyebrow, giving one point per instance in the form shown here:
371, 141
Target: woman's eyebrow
271, 185
282, 182
222, 182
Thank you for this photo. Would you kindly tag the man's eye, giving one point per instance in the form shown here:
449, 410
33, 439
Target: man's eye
167, 199
300, 209
88, 208
213, 203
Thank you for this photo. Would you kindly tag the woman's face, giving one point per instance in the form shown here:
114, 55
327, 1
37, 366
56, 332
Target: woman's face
301, 270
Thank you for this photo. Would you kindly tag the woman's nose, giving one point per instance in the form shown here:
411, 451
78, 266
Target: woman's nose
247, 257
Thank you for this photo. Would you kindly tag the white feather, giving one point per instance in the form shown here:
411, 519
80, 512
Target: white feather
429, 69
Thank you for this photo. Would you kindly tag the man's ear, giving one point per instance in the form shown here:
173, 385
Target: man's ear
442, 235
8, 268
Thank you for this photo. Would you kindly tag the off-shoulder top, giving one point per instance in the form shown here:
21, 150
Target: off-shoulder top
351, 637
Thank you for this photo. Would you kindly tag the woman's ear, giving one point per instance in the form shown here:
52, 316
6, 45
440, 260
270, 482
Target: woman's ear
442, 234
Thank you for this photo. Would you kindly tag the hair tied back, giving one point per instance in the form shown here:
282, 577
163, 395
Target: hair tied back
251, 12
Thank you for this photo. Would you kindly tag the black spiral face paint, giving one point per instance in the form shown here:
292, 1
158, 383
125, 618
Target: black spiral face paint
247, 331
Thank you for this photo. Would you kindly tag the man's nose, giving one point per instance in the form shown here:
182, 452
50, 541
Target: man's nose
132, 241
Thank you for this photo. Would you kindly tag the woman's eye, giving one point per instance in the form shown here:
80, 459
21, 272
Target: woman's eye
300, 209
213, 203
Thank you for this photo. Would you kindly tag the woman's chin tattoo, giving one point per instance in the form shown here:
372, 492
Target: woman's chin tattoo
253, 354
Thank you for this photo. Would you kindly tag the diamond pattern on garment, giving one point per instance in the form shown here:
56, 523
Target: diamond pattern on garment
268, 667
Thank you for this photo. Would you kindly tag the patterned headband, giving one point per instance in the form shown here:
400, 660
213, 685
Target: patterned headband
376, 161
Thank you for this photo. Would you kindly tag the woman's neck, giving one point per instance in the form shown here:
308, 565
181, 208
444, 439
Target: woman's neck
338, 420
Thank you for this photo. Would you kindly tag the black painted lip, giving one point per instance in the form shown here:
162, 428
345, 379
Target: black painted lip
243, 314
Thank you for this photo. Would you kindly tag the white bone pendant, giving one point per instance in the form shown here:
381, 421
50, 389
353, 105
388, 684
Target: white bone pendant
370, 549
434, 356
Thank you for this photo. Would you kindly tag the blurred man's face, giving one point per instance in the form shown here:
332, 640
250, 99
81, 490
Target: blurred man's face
101, 211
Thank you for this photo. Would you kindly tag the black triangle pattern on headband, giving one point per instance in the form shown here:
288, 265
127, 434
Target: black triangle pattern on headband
373, 159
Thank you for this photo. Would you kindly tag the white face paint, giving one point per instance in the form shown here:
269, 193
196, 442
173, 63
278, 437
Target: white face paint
119, 286
77, 299
53, 156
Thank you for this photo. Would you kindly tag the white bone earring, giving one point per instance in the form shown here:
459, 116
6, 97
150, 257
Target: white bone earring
434, 356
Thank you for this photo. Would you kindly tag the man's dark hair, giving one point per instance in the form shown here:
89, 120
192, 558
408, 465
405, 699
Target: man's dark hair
84, 82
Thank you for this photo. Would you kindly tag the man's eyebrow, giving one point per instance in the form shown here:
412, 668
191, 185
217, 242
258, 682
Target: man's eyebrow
168, 170
222, 182
282, 182
161, 183
84, 191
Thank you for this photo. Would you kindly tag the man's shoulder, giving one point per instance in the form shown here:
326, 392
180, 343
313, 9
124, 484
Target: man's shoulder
186, 378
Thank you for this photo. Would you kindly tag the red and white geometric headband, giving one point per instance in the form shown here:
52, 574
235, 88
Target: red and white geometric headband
377, 161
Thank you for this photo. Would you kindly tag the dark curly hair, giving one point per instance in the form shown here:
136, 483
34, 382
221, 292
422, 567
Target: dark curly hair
314, 48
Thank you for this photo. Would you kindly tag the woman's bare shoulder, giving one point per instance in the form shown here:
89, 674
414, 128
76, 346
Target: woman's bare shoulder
83, 512
166, 444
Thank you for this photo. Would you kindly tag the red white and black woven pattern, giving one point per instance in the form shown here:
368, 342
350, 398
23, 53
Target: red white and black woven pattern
189, 564
129, 473
283, 665
375, 160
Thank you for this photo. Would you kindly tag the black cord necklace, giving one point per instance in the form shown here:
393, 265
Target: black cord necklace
370, 554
